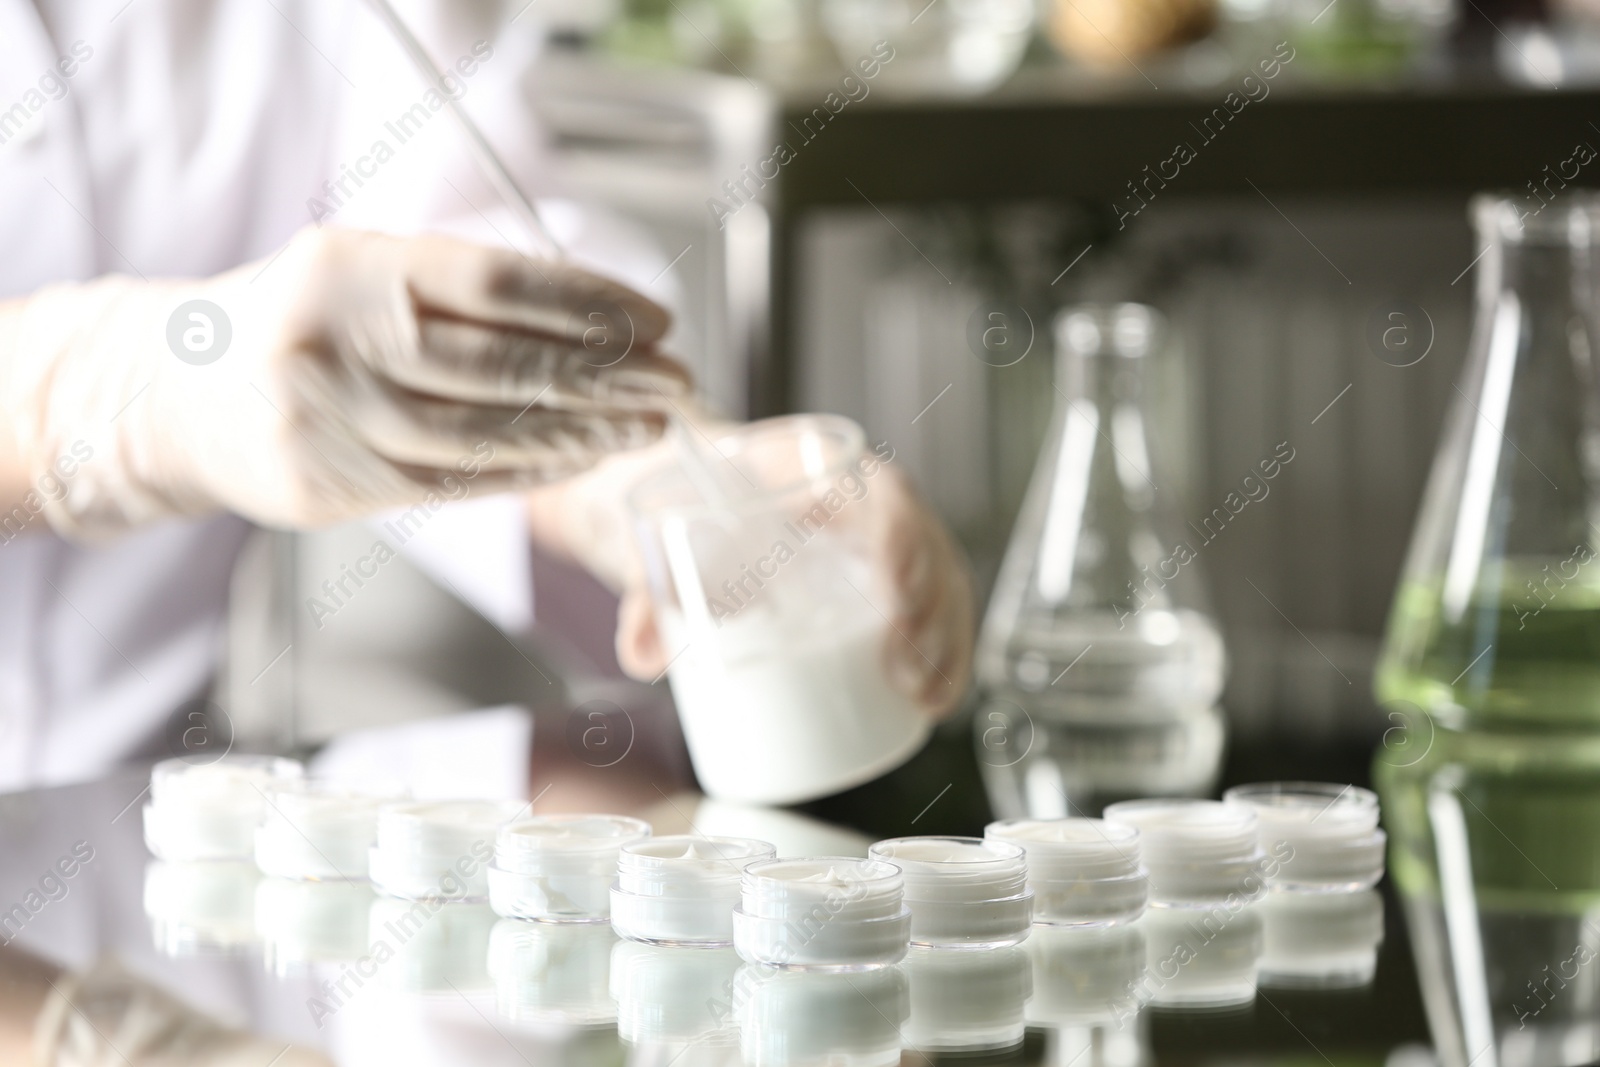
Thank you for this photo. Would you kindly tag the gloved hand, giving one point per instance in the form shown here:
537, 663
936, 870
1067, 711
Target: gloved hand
929, 658
349, 373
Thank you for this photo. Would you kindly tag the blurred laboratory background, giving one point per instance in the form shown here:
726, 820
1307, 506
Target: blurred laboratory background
878, 208
1001, 160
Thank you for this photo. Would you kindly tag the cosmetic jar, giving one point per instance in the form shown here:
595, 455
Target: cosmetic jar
1316, 836
1198, 852
681, 890
318, 831
439, 849
963, 892
559, 868
832, 912
210, 811
1083, 872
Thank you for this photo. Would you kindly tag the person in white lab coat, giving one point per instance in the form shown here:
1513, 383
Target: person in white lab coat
202, 327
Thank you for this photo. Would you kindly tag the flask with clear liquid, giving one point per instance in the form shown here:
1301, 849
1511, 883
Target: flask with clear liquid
1099, 668
1490, 670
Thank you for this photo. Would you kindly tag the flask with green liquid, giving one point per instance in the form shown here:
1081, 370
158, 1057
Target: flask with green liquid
1491, 666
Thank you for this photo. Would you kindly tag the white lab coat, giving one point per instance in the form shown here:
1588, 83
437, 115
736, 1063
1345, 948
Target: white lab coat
191, 136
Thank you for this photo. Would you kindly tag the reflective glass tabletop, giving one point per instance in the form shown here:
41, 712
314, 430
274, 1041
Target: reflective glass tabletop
330, 968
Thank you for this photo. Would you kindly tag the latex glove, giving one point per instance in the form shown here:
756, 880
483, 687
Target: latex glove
929, 651
362, 372
111, 1016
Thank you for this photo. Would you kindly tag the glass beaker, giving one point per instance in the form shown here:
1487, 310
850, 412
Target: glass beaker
1099, 666
1490, 777
767, 603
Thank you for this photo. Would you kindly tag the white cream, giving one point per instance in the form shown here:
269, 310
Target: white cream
558, 868
1318, 837
211, 811
437, 849
830, 912
1083, 872
776, 712
317, 830
682, 889
1199, 852
963, 892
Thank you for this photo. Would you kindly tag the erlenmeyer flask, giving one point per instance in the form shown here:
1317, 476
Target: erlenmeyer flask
1491, 666
1497, 621
1099, 667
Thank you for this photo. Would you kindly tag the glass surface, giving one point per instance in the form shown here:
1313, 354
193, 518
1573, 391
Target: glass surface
1100, 666
288, 967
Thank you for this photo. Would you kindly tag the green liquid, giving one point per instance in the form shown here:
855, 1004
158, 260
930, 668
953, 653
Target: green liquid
1521, 664
1513, 733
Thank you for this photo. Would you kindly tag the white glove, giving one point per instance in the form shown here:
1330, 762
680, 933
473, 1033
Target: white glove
351, 372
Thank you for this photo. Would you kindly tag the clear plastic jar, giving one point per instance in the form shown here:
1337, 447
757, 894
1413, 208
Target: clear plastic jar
1198, 852
1318, 836
682, 889
440, 849
1083, 872
831, 912
210, 811
963, 892
317, 830
559, 868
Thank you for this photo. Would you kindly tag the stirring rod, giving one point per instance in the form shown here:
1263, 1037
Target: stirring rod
702, 471
487, 160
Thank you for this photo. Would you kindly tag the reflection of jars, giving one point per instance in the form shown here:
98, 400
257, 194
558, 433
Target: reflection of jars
1107, 32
